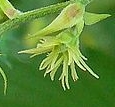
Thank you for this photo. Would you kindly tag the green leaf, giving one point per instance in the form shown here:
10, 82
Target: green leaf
92, 18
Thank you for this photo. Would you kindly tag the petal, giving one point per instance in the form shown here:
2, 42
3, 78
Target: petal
45, 63
54, 69
63, 82
47, 70
73, 71
52, 63
51, 58
89, 69
36, 51
92, 18
64, 75
82, 56
76, 59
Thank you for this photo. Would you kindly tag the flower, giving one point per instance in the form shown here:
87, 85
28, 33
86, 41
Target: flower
62, 49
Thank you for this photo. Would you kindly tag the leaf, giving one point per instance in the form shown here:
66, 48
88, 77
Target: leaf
92, 18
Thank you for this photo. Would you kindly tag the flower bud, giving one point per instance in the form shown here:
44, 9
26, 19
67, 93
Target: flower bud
68, 18
8, 9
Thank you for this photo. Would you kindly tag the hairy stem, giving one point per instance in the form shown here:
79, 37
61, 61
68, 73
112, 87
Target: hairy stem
31, 15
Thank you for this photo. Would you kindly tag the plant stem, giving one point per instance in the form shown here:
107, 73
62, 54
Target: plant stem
31, 15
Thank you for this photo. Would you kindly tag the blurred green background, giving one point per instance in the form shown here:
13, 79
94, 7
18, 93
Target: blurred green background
26, 85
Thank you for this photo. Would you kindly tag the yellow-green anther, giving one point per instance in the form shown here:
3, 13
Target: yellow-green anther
68, 18
9, 9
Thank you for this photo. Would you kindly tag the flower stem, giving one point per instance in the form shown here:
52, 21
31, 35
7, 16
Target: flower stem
31, 15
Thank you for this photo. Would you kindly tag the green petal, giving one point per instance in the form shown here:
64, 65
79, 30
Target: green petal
57, 64
88, 68
52, 63
64, 75
76, 57
92, 18
46, 62
73, 71
36, 51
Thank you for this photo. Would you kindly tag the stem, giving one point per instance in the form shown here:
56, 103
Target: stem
31, 15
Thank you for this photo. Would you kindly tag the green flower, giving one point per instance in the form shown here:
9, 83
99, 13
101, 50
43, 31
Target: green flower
62, 49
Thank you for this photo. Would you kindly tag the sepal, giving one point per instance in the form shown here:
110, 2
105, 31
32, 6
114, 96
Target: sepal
92, 18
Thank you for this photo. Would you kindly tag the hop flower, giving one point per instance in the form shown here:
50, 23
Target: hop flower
63, 49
